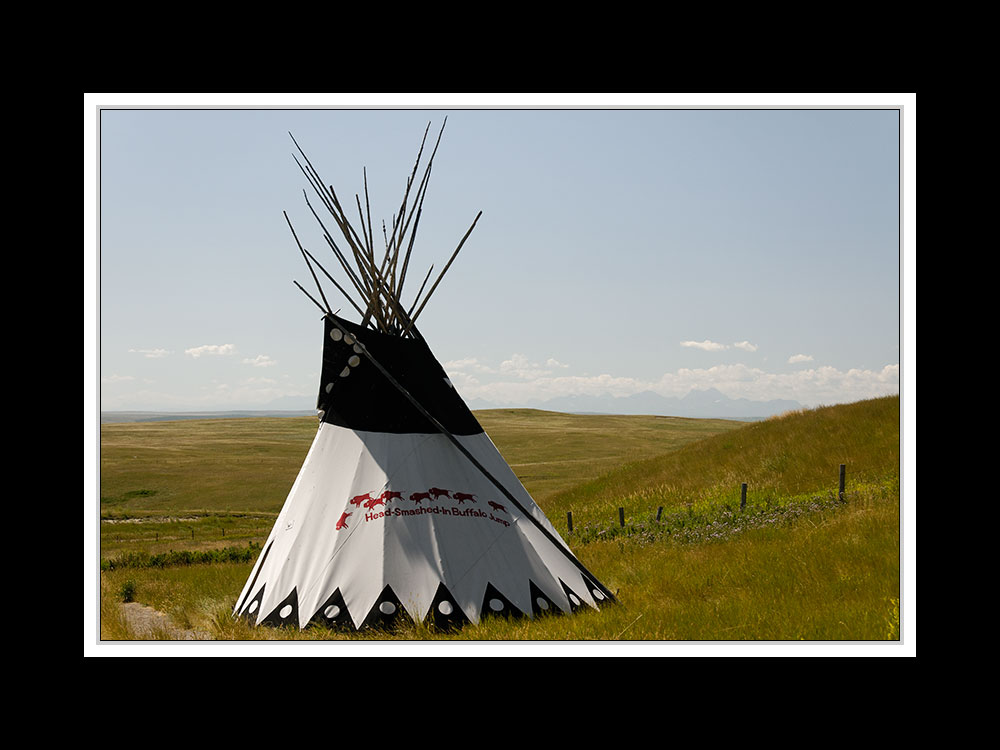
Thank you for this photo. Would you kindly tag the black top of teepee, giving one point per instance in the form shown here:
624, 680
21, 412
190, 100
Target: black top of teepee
352, 394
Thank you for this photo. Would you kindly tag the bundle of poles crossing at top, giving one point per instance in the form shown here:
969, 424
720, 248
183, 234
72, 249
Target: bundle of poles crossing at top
378, 284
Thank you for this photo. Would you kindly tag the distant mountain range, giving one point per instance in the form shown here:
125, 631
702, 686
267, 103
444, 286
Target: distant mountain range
698, 404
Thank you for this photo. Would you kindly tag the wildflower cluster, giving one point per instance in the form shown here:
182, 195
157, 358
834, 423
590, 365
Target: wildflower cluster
710, 523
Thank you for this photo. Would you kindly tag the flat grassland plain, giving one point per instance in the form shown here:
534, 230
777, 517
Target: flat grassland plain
185, 506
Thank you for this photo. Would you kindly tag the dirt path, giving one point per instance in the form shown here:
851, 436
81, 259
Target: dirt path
149, 624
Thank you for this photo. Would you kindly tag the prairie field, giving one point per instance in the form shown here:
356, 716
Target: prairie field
657, 513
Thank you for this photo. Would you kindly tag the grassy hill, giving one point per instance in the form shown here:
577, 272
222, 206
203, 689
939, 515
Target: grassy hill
798, 452
796, 563
551, 451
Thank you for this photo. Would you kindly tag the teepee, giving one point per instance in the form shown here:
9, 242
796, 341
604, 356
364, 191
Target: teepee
403, 507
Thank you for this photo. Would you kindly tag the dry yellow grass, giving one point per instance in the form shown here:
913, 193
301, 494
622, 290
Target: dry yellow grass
831, 574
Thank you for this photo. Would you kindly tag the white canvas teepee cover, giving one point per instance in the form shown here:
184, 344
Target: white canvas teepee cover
405, 508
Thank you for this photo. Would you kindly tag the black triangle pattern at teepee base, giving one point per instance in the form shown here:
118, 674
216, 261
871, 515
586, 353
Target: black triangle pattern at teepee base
333, 613
575, 603
541, 603
387, 612
496, 604
445, 612
597, 593
250, 610
253, 582
286, 613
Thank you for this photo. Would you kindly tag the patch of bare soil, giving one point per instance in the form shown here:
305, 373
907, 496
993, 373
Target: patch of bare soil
148, 623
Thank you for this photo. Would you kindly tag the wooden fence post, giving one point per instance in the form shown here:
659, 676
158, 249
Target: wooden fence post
743, 496
843, 478
659, 512
569, 520
621, 517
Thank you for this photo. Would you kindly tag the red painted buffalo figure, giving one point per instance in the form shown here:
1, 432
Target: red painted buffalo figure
390, 495
358, 499
463, 496
496, 506
373, 501
438, 493
418, 496
342, 523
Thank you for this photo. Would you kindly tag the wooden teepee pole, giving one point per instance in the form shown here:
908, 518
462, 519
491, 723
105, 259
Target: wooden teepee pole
336, 250
327, 274
379, 283
329, 196
302, 250
443, 272
418, 206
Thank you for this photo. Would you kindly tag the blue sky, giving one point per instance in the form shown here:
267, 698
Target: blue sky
622, 249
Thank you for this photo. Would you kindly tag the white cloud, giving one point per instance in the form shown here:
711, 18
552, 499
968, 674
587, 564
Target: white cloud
708, 346
545, 387
462, 379
890, 374
468, 364
521, 367
796, 358
150, 353
715, 346
552, 362
211, 350
116, 378
261, 360
516, 362
522, 384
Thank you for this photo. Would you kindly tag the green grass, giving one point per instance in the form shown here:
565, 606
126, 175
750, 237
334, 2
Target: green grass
796, 563
222, 465
796, 453
551, 451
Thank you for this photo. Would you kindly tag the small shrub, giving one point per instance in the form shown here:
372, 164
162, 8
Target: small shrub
182, 557
126, 592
